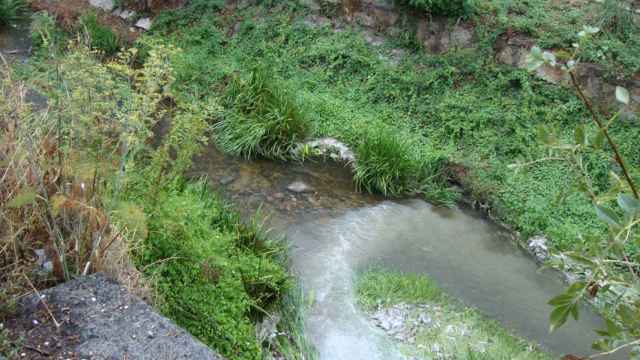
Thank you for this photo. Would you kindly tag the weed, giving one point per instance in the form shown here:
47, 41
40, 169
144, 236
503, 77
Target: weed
262, 118
99, 36
443, 7
483, 339
11, 12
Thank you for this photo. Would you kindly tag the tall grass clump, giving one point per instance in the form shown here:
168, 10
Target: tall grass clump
11, 11
443, 7
207, 279
262, 117
393, 164
100, 37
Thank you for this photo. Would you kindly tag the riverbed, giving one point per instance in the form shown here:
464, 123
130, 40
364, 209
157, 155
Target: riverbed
335, 232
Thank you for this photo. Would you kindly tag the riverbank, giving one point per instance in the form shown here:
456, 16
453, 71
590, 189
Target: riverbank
428, 324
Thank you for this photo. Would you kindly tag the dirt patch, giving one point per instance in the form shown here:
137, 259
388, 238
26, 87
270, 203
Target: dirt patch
68, 12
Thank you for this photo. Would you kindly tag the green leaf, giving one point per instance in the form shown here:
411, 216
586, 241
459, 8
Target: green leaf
607, 215
558, 317
26, 196
579, 135
598, 140
629, 204
622, 95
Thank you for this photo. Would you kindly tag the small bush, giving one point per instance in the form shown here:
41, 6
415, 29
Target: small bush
207, 279
442, 7
100, 37
262, 118
11, 11
388, 163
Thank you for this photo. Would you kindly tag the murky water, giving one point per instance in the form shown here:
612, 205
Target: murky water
335, 232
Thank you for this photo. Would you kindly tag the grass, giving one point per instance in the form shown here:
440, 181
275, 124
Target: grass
214, 276
483, 339
11, 12
263, 118
404, 121
100, 37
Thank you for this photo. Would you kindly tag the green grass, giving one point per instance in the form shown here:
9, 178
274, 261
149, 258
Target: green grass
100, 37
262, 118
214, 276
380, 288
404, 121
11, 12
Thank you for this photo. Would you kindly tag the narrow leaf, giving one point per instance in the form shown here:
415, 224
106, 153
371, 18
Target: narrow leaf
607, 215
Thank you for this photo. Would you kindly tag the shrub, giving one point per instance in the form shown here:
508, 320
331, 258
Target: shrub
262, 118
11, 11
100, 37
207, 279
442, 7
388, 163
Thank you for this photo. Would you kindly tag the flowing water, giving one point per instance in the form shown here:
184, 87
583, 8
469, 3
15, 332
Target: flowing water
335, 232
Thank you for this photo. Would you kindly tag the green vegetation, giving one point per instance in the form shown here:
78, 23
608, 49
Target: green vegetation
99, 36
263, 118
11, 11
443, 7
211, 273
483, 339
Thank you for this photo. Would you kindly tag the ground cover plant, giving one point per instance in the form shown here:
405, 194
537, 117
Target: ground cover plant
458, 106
12, 11
380, 289
87, 181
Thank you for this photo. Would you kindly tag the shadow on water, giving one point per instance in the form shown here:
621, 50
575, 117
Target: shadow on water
335, 232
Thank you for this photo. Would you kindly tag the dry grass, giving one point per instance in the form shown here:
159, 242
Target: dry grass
47, 202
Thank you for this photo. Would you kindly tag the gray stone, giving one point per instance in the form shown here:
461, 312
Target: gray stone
537, 246
144, 23
127, 14
110, 323
299, 187
106, 5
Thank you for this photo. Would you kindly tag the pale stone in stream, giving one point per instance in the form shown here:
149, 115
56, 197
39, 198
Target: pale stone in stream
299, 187
537, 246
144, 23
106, 5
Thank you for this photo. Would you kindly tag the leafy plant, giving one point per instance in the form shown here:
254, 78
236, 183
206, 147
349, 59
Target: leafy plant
608, 267
262, 118
99, 36
11, 12
443, 7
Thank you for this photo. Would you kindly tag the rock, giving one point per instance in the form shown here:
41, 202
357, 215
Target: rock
537, 246
299, 187
126, 14
106, 5
106, 322
329, 147
228, 179
144, 23
316, 21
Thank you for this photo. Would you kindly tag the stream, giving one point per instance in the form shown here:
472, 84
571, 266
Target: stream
335, 232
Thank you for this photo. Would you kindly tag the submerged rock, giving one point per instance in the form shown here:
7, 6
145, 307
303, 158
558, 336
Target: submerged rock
299, 187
